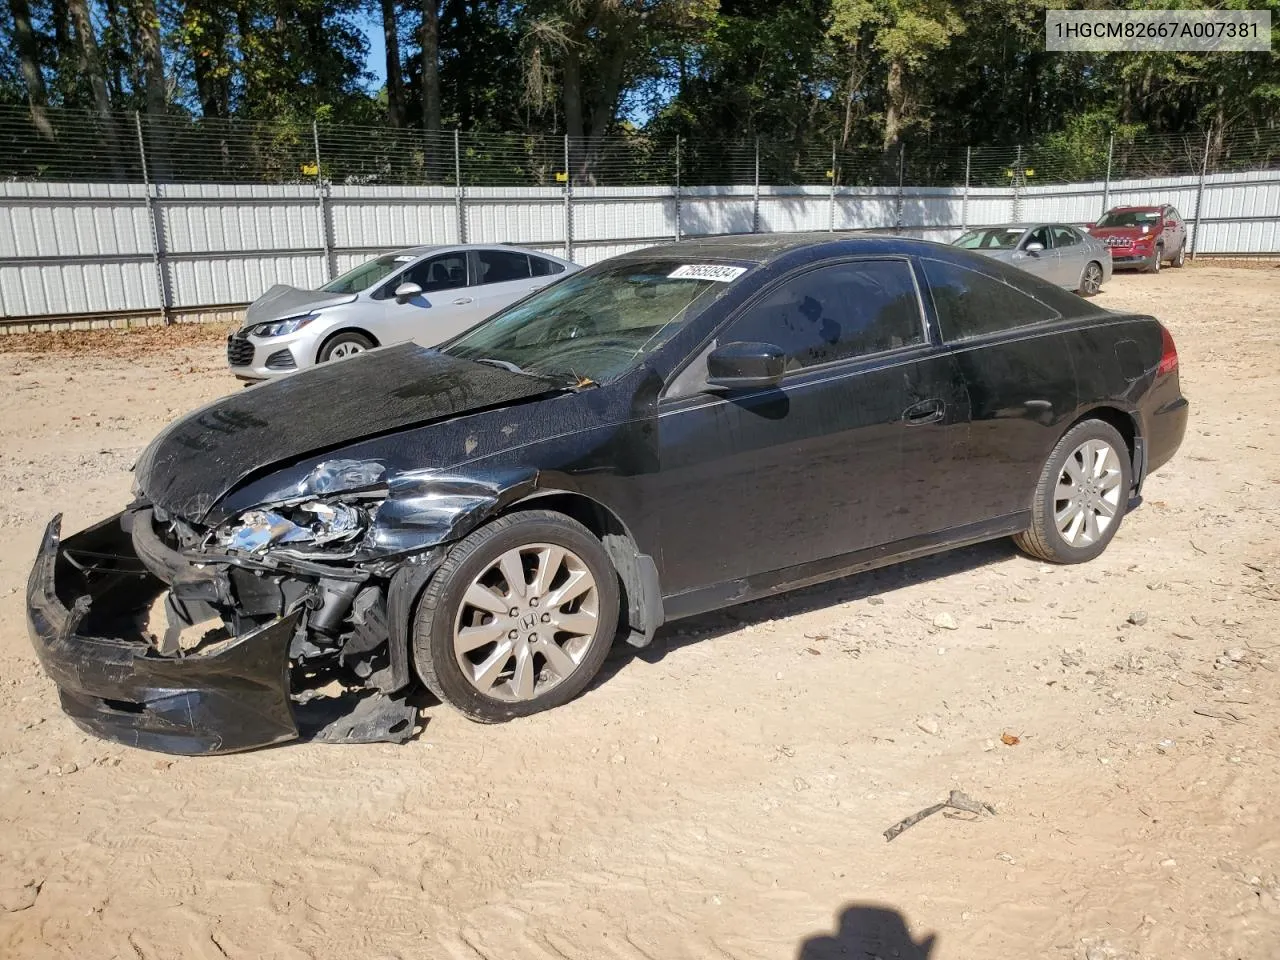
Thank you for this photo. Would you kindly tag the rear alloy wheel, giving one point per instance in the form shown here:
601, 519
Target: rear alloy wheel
344, 345
1180, 258
1090, 279
1082, 495
519, 617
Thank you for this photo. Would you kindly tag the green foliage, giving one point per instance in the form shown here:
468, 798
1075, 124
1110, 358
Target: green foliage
801, 75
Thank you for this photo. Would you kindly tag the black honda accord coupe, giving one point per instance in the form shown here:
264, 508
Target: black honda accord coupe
667, 432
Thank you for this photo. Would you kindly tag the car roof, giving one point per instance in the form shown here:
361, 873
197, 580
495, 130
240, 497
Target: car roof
759, 248
423, 251
1029, 225
1151, 206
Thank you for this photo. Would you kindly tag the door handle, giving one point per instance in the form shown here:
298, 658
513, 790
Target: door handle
926, 411
461, 300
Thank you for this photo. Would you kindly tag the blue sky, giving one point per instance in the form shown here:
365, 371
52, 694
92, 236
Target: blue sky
371, 25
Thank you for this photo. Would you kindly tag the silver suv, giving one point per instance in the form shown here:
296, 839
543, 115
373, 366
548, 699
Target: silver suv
427, 294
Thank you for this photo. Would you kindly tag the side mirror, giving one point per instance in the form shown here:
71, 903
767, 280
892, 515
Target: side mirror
407, 291
1034, 248
743, 366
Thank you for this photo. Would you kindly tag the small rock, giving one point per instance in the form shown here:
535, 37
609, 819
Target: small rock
1170, 862
68, 768
18, 897
988, 746
617, 758
1165, 745
875, 601
945, 621
929, 725
1006, 857
800, 783
1138, 618
1235, 655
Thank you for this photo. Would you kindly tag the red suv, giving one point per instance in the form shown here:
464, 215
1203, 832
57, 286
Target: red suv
1143, 237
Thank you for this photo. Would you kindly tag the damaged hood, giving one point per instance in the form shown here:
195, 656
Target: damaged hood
281, 302
196, 460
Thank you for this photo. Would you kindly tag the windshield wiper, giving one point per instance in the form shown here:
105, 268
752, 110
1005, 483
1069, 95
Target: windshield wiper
504, 364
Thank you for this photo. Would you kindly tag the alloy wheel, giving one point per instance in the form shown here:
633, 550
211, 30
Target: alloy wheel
1087, 500
526, 622
1092, 280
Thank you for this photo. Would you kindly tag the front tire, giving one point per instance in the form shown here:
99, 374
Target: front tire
1181, 257
518, 619
343, 345
1153, 265
1081, 497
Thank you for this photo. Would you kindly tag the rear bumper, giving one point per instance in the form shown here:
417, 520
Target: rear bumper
87, 627
1165, 428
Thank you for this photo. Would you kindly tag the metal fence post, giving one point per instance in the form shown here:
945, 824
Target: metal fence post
964, 199
1204, 169
677, 188
902, 155
458, 200
1106, 183
157, 238
1017, 184
568, 203
831, 197
321, 189
755, 196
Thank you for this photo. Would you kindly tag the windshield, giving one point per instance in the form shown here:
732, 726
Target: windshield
595, 324
992, 238
1129, 218
367, 274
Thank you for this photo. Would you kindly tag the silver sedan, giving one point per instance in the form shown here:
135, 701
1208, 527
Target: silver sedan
427, 294
1057, 252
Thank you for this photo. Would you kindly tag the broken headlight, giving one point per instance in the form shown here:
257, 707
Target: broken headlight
315, 523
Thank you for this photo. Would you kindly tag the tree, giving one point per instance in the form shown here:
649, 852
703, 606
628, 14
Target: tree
430, 38
147, 24
90, 58
29, 56
395, 85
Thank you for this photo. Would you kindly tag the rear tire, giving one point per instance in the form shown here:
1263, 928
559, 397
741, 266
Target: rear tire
1090, 279
1081, 497
495, 650
343, 345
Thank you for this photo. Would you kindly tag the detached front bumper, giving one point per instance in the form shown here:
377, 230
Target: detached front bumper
88, 599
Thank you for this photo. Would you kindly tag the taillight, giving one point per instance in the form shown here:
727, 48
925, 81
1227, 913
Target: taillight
1168, 354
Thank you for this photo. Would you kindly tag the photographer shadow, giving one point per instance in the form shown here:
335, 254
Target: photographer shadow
868, 932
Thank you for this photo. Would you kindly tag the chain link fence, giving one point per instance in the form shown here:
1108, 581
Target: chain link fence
128, 148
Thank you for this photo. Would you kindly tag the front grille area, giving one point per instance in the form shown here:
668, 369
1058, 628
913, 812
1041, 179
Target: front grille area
239, 351
281, 360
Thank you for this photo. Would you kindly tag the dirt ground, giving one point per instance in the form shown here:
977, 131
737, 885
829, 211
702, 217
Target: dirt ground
724, 794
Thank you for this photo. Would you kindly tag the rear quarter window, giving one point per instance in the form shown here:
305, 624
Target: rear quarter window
970, 303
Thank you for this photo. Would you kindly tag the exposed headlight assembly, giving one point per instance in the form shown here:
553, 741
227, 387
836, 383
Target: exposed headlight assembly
314, 523
278, 328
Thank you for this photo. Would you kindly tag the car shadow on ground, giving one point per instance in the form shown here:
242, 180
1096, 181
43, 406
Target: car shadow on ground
859, 586
868, 930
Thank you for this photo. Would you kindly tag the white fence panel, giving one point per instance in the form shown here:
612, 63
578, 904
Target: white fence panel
85, 248
372, 218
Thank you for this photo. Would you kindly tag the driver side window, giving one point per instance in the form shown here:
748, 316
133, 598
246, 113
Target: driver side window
1040, 236
838, 312
445, 272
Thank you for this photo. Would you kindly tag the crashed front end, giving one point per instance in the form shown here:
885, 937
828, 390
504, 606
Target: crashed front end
287, 621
